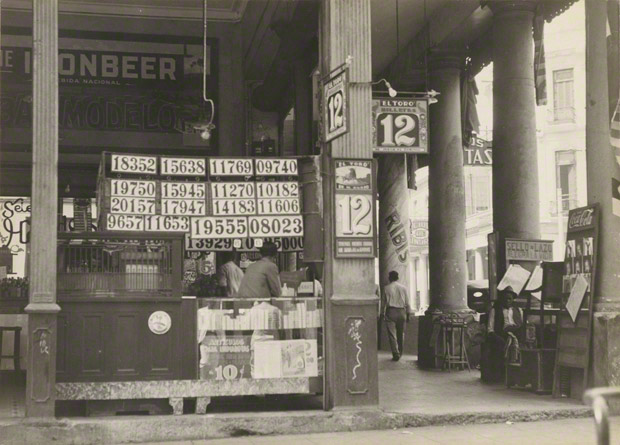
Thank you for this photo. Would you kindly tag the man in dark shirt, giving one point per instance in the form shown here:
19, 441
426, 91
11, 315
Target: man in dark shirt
396, 313
262, 279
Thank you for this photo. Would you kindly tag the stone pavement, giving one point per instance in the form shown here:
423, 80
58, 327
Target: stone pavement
555, 432
409, 397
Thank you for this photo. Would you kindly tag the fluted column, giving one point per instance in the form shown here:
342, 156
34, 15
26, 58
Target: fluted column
42, 307
602, 168
350, 302
515, 168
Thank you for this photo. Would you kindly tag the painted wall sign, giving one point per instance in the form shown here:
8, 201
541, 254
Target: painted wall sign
159, 322
335, 106
397, 231
354, 208
109, 84
478, 153
418, 232
400, 125
529, 250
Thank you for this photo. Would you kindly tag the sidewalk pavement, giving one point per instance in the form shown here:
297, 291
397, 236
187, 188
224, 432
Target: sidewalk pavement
409, 397
555, 432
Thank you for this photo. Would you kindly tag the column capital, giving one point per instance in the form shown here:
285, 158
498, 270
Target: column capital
450, 58
505, 6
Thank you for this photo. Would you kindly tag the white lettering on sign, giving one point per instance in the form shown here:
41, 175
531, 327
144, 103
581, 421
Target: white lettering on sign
117, 66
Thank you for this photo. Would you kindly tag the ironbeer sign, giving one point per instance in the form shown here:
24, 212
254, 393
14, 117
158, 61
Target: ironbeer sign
354, 205
335, 105
400, 125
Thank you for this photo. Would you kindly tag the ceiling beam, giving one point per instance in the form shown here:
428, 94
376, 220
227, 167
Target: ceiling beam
454, 25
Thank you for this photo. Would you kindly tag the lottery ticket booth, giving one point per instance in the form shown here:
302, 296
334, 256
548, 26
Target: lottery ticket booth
143, 309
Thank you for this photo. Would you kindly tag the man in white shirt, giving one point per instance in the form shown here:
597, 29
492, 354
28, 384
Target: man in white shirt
396, 313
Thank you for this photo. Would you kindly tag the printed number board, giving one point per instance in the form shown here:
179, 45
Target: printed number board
132, 206
133, 187
335, 106
400, 125
219, 227
276, 167
134, 164
183, 166
354, 208
275, 226
290, 244
231, 167
178, 190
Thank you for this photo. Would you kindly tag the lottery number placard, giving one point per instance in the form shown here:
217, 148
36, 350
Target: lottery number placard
400, 125
335, 106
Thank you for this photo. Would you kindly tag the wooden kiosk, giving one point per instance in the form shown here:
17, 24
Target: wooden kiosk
133, 327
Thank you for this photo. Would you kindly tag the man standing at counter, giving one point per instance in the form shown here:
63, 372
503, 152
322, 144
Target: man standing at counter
262, 279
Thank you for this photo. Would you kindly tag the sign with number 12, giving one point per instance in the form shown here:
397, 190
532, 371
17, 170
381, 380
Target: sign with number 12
400, 125
335, 106
354, 208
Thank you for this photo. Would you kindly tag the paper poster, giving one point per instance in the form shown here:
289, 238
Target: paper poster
515, 277
576, 296
285, 358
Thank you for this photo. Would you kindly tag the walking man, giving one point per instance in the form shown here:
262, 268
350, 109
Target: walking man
396, 313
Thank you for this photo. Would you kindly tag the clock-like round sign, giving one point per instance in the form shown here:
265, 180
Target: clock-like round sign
160, 322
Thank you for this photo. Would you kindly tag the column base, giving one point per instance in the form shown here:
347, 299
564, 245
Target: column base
429, 340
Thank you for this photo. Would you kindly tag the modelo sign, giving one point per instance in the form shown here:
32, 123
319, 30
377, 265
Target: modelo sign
479, 152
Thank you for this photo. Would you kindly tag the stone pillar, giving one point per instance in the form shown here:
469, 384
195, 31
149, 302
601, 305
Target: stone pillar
446, 186
515, 167
423, 277
302, 69
42, 307
602, 167
351, 376
393, 219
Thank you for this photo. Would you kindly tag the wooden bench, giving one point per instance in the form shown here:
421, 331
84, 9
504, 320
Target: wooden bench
176, 390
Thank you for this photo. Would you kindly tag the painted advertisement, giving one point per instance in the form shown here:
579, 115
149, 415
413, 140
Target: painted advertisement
138, 85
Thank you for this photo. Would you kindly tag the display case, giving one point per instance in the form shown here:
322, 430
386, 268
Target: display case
122, 315
265, 340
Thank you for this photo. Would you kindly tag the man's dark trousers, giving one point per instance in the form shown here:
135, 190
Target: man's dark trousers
395, 319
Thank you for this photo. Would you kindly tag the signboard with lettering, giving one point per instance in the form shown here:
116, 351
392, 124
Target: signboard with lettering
478, 153
578, 279
111, 83
354, 208
400, 125
229, 201
529, 250
335, 106
418, 232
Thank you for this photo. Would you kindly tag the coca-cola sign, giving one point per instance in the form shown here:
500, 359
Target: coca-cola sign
581, 218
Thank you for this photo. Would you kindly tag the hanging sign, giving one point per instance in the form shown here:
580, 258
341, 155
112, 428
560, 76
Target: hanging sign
400, 125
478, 153
335, 106
354, 208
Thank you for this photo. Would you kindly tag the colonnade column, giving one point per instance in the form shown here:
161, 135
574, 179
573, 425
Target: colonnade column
602, 170
447, 260
423, 283
351, 373
42, 307
393, 219
515, 167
